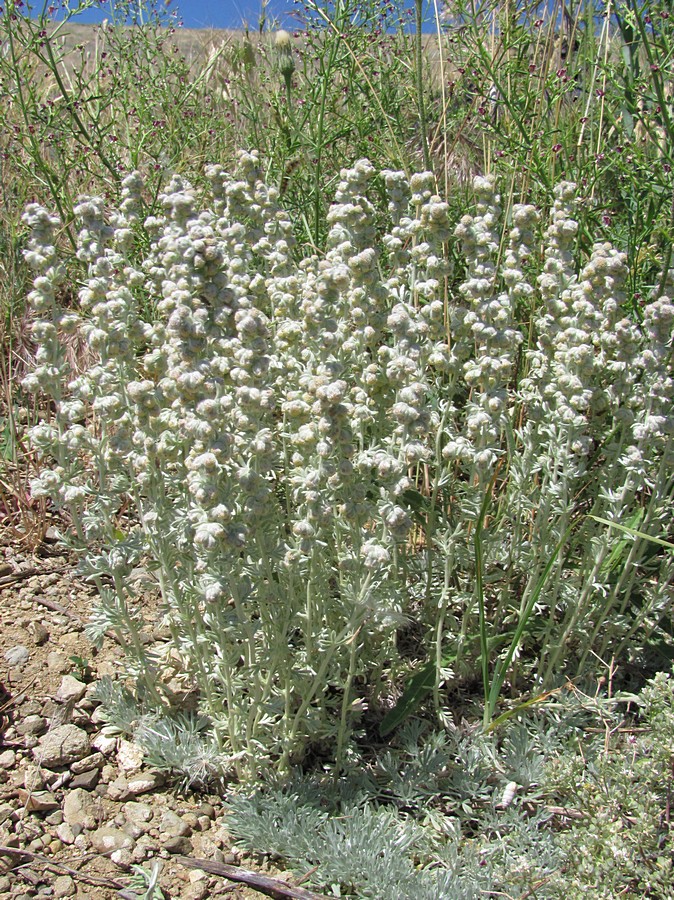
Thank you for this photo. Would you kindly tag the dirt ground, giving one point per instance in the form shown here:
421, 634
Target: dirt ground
76, 828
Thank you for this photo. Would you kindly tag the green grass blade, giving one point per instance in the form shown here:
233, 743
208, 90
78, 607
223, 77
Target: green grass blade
417, 689
634, 532
502, 668
479, 590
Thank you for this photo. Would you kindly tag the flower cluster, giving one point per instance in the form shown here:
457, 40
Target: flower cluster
486, 336
305, 444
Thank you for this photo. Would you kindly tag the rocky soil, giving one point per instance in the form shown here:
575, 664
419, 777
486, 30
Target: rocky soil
78, 802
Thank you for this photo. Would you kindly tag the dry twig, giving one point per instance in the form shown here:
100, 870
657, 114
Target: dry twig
270, 887
17, 854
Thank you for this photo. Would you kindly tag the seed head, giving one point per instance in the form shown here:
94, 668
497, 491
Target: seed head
282, 40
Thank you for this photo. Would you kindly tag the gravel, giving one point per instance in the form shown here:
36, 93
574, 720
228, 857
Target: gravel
70, 791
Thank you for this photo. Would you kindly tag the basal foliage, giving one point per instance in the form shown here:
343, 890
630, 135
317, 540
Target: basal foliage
337, 465
568, 802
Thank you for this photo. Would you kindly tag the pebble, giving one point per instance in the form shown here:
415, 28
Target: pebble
95, 761
119, 788
122, 857
34, 778
49, 709
82, 842
172, 825
145, 849
105, 744
107, 839
5, 812
70, 689
10, 840
87, 780
65, 833
55, 818
37, 801
40, 633
182, 845
30, 708
62, 745
32, 725
138, 814
108, 773
58, 662
39, 843
63, 886
7, 759
80, 808
5, 883
17, 656
134, 830
190, 818
141, 784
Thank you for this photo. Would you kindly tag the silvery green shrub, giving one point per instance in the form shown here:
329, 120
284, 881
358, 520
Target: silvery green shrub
300, 450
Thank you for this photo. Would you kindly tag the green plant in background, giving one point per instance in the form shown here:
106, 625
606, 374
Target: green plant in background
572, 89
644, 123
345, 94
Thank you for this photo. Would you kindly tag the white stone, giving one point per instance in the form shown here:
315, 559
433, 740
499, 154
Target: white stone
65, 833
17, 656
105, 744
129, 757
108, 839
122, 857
141, 784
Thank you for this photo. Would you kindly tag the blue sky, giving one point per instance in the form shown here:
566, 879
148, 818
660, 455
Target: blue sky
232, 13
217, 13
